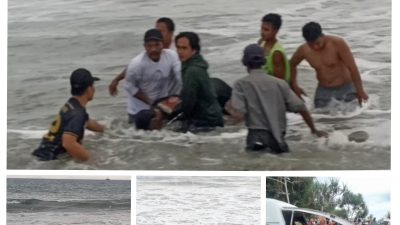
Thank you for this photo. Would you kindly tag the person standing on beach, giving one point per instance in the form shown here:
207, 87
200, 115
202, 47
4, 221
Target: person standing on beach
262, 101
277, 63
167, 27
337, 73
67, 130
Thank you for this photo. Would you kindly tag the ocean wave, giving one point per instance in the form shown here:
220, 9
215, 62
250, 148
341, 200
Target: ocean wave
36, 205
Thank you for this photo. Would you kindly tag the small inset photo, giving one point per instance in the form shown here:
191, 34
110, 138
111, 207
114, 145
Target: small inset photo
65, 200
198, 200
328, 200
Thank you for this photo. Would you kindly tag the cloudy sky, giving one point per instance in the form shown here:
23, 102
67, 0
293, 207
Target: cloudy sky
374, 189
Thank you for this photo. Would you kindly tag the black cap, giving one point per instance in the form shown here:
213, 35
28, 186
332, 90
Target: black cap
153, 35
143, 118
253, 54
81, 79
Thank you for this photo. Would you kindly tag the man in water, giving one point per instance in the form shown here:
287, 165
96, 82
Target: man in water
169, 109
151, 75
200, 107
167, 27
337, 73
67, 130
263, 101
277, 63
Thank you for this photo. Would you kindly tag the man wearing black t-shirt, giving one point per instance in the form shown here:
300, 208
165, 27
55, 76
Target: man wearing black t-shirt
67, 130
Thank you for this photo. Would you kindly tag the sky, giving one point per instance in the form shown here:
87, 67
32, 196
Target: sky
375, 191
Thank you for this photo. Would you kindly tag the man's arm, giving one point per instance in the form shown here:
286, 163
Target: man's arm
279, 65
297, 57
189, 93
93, 125
113, 87
294, 104
143, 97
73, 147
308, 120
131, 83
348, 59
237, 106
232, 112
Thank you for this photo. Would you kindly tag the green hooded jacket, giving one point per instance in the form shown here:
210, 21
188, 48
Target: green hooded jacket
199, 103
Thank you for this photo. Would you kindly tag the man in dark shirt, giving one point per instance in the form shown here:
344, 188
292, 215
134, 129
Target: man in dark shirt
200, 107
67, 130
168, 109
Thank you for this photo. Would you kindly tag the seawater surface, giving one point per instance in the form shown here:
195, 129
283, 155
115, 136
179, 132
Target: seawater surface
48, 39
66, 201
198, 200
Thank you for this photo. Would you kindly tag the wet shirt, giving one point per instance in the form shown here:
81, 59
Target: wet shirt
71, 119
154, 79
264, 100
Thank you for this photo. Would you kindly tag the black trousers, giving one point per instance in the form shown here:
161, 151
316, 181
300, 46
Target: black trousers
263, 140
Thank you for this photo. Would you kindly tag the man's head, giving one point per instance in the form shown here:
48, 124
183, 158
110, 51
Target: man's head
312, 33
149, 119
187, 45
82, 81
167, 27
270, 25
153, 43
253, 57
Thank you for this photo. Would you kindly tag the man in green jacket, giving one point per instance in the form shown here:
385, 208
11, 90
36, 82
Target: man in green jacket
200, 107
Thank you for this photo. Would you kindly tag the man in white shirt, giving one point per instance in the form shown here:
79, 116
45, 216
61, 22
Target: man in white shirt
167, 27
151, 75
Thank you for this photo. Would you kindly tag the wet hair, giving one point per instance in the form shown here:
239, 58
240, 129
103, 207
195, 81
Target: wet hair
170, 24
312, 31
194, 40
143, 119
274, 19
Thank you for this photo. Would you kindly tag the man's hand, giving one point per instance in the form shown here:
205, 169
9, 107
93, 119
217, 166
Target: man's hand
113, 88
320, 133
362, 97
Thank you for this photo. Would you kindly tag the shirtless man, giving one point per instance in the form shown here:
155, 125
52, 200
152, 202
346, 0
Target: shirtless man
337, 73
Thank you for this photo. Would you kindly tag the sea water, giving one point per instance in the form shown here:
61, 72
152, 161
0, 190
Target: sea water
65, 201
48, 39
198, 200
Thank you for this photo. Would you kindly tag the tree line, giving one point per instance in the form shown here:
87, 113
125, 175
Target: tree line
307, 192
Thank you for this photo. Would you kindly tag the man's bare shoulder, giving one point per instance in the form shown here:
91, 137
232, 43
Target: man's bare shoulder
335, 39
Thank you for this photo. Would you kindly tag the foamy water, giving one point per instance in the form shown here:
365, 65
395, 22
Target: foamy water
198, 200
49, 39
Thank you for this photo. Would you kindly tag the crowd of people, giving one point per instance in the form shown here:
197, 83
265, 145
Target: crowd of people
169, 81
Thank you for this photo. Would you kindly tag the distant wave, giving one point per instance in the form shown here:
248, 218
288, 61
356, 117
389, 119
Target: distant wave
37, 205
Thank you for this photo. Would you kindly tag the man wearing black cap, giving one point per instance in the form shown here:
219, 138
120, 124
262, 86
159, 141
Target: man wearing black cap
263, 101
167, 27
151, 75
67, 130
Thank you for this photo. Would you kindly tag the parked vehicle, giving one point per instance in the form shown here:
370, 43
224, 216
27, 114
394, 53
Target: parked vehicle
282, 213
